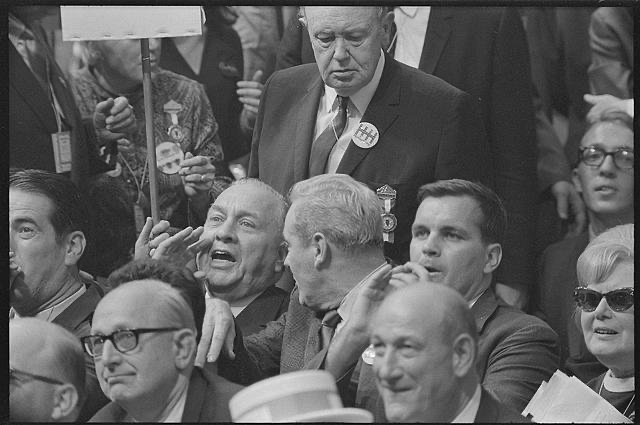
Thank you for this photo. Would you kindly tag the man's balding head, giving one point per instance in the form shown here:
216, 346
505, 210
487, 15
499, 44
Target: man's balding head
141, 378
40, 354
425, 342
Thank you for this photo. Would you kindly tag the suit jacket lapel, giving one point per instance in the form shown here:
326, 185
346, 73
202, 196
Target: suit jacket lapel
438, 31
381, 112
484, 308
305, 124
195, 396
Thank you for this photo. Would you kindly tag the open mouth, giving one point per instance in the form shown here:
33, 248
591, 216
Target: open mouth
222, 255
605, 331
605, 189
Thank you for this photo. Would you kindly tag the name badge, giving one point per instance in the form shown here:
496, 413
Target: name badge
387, 196
62, 151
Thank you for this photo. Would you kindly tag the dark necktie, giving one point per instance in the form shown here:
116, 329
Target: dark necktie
328, 328
322, 146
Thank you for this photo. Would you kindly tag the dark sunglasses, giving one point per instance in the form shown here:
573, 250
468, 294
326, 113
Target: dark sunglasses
619, 300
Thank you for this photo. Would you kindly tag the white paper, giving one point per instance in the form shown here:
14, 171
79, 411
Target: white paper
129, 22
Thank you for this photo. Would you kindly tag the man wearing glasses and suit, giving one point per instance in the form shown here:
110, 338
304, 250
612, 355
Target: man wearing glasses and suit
143, 340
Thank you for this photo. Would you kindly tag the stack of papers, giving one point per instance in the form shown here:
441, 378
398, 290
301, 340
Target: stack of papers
567, 399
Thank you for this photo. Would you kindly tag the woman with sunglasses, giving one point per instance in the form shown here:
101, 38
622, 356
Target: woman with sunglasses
605, 274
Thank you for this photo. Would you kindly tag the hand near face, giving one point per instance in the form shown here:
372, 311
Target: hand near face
408, 274
249, 93
369, 298
218, 330
197, 175
14, 269
113, 119
568, 199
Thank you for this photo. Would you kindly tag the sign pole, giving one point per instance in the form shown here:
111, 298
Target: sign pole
148, 114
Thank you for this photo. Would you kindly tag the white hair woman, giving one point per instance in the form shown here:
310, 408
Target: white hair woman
605, 296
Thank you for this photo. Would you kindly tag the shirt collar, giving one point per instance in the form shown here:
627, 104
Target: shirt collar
473, 301
468, 414
618, 385
410, 11
49, 314
362, 97
347, 302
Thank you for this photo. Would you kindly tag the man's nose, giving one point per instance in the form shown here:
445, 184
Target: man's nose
431, 246
154, 47
226, 231
110, 355
341, 51
386, 367
608, 166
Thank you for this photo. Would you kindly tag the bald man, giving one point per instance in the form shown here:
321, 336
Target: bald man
425, 340
143, 340
46, 372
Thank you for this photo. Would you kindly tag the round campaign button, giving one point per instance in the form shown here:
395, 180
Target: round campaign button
366, 136
389, 222
168, 157
368, 355
176, 133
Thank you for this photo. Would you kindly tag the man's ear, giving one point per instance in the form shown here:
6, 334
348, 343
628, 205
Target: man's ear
184, 345
387, 22
65, 400
282, 254
322, 250
576, 180
464, 355
76, 244
494, 257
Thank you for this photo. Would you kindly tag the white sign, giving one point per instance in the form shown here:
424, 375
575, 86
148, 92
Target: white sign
129, 22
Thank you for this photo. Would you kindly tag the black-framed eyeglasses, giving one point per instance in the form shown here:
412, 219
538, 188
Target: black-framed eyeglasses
123, 340
619, 300
16, 374
594, 156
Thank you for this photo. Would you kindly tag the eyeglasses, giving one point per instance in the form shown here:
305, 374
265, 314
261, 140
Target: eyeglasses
619, 300
123, 340
594, 157
15, 374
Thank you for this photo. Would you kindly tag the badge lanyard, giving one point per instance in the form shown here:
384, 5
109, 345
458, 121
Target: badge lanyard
138, 213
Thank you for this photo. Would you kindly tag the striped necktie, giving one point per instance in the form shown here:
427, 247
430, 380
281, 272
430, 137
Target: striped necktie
322, 146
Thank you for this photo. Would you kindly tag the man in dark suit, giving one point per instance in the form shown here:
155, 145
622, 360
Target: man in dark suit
425, 343
399, 128
45, 127
457, 236
482, 51
48, 220
147, 370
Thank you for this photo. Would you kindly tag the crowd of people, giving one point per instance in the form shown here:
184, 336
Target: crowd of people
434, 205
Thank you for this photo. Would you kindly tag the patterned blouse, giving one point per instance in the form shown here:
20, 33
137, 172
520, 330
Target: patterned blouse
196, 120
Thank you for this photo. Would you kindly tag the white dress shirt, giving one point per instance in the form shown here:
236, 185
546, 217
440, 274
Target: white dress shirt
468, 414
411, 30
356, 108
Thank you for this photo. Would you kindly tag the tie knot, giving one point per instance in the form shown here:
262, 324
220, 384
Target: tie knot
342, 102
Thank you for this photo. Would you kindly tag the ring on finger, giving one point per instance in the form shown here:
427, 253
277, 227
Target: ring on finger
202, 177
